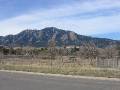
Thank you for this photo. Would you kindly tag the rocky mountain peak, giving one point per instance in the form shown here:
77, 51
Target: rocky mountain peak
41, 38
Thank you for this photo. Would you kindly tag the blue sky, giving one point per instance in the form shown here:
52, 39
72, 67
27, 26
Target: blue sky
87, 17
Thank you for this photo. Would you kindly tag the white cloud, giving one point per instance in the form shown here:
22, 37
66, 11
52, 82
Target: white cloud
59, 17
88, 26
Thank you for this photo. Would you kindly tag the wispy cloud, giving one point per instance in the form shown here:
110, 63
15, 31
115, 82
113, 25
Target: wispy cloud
88, 17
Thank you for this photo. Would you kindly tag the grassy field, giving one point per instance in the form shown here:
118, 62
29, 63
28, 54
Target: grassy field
60, 68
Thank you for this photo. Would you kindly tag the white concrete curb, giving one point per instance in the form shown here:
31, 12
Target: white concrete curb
60, 75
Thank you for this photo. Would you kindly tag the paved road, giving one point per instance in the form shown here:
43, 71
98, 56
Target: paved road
15, 81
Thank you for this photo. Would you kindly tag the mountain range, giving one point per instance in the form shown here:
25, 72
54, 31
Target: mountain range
41, 38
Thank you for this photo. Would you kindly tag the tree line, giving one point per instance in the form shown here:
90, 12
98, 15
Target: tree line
86, 50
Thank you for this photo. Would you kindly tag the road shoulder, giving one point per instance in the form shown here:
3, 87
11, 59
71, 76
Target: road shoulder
60, 75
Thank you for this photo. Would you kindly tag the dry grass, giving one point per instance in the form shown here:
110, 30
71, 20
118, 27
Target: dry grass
58, 67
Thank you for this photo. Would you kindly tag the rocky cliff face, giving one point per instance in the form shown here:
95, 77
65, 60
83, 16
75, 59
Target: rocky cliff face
40, 38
